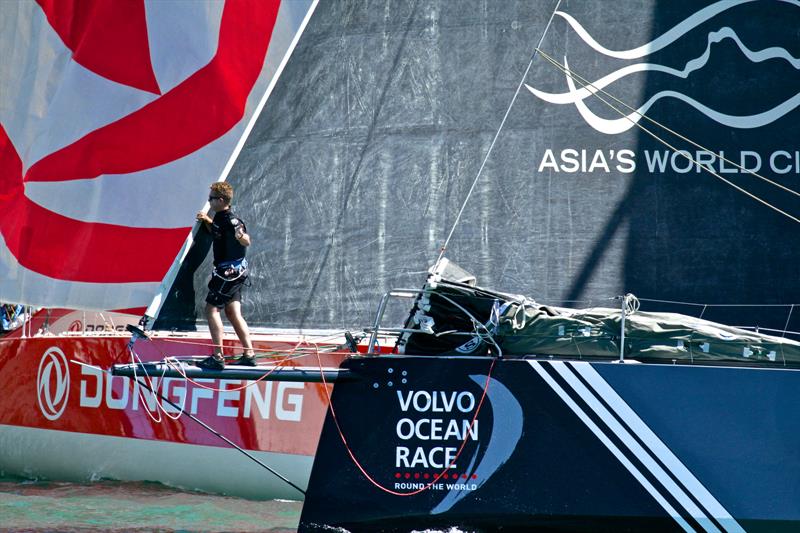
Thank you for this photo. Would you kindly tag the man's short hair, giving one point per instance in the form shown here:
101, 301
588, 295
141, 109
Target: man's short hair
222, 189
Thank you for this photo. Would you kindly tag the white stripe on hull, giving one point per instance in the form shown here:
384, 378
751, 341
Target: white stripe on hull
651, 448
627, 439
655, 445
611, 447
81, 457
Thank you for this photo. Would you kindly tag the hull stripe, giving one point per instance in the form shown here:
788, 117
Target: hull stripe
611, 446
657, 447
633, 445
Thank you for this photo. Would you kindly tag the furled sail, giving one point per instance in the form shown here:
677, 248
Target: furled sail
453, 317
114, 118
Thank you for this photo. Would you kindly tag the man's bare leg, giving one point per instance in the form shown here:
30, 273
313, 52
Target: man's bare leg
215, 327
234, 313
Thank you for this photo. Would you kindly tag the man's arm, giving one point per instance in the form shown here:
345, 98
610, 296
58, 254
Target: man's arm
241, 235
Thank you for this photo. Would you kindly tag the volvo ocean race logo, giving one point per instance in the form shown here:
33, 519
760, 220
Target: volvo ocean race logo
441, 445
52, 383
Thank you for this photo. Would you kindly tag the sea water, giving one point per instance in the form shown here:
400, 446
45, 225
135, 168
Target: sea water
27, 505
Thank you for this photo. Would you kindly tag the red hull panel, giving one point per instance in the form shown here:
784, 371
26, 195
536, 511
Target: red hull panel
45, 388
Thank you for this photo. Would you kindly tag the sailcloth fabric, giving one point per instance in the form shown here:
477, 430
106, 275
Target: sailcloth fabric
114, 118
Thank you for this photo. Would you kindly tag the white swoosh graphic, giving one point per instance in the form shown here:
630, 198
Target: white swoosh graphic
664, 39
691, 66
507, 424
614, 126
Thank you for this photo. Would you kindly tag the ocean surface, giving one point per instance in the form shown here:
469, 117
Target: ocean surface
27, 505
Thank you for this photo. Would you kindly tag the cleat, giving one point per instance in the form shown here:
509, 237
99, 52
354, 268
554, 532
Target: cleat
350, 342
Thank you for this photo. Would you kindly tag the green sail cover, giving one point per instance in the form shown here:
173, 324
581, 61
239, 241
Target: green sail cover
458, 318
526, 327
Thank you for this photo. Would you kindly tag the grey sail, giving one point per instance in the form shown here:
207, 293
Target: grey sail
356, 171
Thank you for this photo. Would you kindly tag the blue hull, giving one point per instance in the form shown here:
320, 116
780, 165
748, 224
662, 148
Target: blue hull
560, 445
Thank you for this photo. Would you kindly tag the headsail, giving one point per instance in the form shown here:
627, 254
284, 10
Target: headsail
113, 121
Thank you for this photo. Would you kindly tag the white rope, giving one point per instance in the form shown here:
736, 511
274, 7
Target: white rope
494, 140
566, 70
154, 390
631, 304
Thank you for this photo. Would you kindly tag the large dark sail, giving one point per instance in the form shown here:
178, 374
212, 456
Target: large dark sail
357, 170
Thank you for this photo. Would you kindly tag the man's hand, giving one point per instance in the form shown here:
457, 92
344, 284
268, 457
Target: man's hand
202, 217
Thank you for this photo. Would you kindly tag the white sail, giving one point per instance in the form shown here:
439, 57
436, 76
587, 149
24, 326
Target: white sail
113, 122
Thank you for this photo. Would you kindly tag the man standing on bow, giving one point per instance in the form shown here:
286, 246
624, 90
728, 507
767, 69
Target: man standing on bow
231, 240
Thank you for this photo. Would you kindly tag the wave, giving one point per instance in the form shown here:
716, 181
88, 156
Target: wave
622, 124
665, 39
693, 65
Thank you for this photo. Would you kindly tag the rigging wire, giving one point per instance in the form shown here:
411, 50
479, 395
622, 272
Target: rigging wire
496, 136
714, 305
163, 398
788, 318
586, 85
228, 441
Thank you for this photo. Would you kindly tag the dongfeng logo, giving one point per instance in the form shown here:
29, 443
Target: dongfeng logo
52, 383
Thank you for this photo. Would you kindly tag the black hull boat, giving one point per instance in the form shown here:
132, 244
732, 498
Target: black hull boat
516, 415
493, 411
564, 445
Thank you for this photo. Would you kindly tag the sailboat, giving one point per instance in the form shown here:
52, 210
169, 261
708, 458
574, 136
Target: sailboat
114, 120
501, 411
385, 121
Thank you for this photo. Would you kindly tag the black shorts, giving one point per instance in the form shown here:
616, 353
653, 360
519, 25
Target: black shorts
224, 287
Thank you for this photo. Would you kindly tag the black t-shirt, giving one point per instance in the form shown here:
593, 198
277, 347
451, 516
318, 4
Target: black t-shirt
223, 231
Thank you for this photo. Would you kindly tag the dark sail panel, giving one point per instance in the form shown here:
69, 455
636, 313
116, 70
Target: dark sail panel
357, 169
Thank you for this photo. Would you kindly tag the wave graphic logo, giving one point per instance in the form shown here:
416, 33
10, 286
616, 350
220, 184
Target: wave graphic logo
576, 96
52, 383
